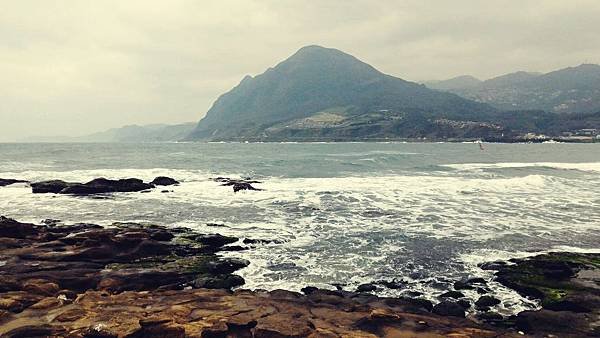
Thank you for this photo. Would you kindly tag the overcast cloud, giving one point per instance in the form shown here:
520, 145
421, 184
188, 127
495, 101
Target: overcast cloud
75, 67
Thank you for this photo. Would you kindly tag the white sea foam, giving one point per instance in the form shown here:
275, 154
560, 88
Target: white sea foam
352, 229
590, 166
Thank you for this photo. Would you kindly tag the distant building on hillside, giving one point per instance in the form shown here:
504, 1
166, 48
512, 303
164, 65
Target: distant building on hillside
587, 132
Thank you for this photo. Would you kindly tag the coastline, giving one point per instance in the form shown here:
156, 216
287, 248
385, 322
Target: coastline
76, 280
506, 140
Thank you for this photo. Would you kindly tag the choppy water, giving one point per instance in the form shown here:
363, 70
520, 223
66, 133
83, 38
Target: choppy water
348, 213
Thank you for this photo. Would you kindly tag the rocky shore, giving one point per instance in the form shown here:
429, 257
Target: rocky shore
130, 280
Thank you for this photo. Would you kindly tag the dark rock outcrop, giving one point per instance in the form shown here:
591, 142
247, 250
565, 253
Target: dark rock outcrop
215, 240
452, 294
237, 185
96, 186
130, 280
368, 287
487, 301
447, 308
218, 282
568, 285
42, 260
8, 181
103, 185
54, 186
393, 284
164, 181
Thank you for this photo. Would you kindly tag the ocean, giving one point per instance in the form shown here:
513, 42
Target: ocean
423, 214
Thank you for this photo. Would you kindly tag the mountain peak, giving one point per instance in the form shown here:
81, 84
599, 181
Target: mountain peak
316, 49
315, 53
315, 80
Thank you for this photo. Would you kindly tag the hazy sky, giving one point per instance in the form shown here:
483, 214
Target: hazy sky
78, 66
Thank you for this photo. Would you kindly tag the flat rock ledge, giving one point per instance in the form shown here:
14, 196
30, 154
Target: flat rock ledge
130, 280
99, 186
566, 284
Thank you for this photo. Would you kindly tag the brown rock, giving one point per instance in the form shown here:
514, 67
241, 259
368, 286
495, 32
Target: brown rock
46, 304
70, 315
283, 325
41, 287
13, 229
31, 331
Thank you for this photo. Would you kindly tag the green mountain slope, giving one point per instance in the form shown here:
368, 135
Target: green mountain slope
569, 90
324, 93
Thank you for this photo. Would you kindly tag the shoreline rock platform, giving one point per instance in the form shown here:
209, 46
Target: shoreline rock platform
131, 280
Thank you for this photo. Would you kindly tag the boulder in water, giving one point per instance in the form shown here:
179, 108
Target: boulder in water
369, 287
452, 294
103, 185
487, 301
163, 180
50, 187
215, 240
244, 186
237, 185
8, 181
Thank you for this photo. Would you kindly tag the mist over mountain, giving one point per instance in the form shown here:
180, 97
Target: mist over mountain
569, 90
325, 93
131, 133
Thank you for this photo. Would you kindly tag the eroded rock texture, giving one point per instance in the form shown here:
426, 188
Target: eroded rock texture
84, 280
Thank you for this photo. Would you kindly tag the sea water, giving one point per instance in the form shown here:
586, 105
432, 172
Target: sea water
424, 214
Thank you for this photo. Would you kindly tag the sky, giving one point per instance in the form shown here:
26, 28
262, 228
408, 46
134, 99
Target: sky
72, 67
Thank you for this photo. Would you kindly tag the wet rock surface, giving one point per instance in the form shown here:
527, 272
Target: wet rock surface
568, 286
9, 181
95, 186
164, 181
237, 184
129, 280
99, 186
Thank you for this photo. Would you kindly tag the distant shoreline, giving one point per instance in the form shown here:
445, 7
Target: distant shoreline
503, 141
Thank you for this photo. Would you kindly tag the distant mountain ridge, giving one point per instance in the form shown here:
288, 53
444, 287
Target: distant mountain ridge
130, 133
459, 82
325, 93
568, 90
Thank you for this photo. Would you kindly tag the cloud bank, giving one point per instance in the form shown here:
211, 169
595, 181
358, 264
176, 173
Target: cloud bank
75, 67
